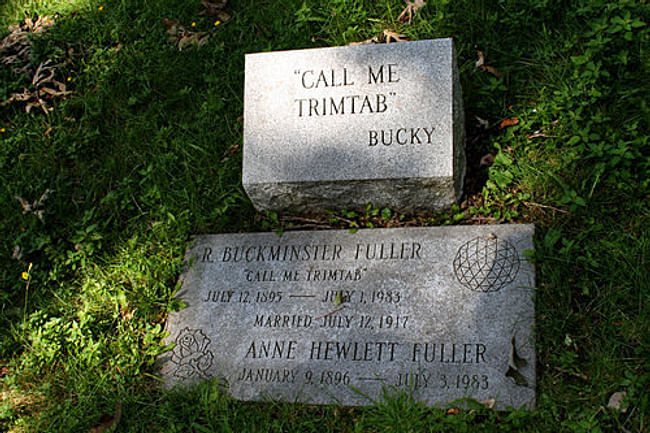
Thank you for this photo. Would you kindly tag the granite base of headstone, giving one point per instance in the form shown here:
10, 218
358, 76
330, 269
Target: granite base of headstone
443, 313
337, 128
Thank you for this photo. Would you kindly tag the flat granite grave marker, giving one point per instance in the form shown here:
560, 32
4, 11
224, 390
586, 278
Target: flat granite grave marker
330, 316
340, 127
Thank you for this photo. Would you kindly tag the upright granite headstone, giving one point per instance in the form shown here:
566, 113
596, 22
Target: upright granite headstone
340, 127
334, 317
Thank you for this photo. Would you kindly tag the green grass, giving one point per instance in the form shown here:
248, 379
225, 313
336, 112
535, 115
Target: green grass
147, 151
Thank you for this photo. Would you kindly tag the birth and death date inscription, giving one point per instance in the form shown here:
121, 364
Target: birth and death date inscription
334, 290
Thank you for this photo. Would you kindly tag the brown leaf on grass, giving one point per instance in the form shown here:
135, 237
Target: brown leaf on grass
215, 10
27, 207
183, 38
40, 25
45, 88
487, 160
174, 28
480, 64
17, 253
41, 200
230, 152
536, 134
387, 36
482, 122
44, 73
489, 403
508, 122
18, 97
169, 23
375, 40
453, 411
36, 206
15, 48
38, 102
127, 312
107, 421
192, 39
492, 71
410, 10
615, 401
394, 37
53, 92
481, 59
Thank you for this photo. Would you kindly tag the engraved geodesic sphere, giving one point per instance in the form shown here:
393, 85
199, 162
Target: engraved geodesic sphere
486, 264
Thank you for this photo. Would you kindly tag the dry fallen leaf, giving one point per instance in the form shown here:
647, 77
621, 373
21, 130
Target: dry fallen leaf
394, 37
41, 24
230, 152
15, 48
215, 10
487, 160
615, 401
375, 40
182, 37
508, 122
387, 36
197, 39
489, 403
45, 87
481, 59
38, 103
480, 64
492, 70
17, 252
410, 10
536, 134
41, 200
24, 203
20, 97
172, 26
482, 122
453, 411
127, 312
34, 207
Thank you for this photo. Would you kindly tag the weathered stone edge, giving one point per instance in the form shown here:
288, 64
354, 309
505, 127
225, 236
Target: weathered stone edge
405, 195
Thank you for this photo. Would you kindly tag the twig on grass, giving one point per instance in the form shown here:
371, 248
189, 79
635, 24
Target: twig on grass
572, 373
545, 206
331, 313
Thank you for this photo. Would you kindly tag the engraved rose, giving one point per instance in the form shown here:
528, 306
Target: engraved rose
191, 353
